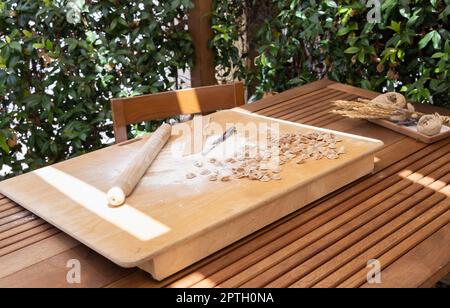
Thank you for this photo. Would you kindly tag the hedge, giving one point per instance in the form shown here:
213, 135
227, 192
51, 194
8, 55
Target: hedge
286, 43
62, 61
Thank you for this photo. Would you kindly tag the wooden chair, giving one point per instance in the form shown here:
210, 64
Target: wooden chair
149, 107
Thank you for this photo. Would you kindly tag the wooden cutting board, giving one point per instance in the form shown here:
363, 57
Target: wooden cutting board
170, 222
411, 131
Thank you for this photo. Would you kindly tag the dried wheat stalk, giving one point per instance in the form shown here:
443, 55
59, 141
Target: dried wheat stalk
367, 109
362, 109
445, 119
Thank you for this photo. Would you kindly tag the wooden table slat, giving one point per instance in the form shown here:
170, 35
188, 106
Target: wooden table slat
323, 121
10, 212
353, 90
52, 272
305, 109
13, 217
310, 99
16, 223
17, 229
308, 104
24, 235
289, 94
8, 206
313, 118
4, 201
32, 254
28, 241
327, 122
321, 111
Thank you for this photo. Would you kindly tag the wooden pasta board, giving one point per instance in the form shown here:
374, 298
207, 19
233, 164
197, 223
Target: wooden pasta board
412, 131
169, 222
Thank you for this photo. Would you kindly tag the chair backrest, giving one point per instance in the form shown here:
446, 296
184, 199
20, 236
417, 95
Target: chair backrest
131, 110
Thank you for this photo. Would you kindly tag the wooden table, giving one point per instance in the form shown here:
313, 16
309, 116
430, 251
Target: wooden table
400, 215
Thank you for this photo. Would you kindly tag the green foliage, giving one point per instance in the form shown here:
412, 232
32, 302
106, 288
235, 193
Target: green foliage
62, 61
299, 41
227, 38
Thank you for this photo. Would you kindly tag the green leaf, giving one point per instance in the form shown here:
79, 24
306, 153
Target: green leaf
300, 14
396, 26
123, 22
401, 54
361, 57
3, 144
296, 81
27, 33
16, 46
352, 50
38, 46
365, 84
436, 40
343, 31
438, 55
331, 4
426, 39
49, 44
113, 24
445, 13
54, 148
33, 100
413, 19
72, 45
264, 61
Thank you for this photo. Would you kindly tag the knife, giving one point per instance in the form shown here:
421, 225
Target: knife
220, 139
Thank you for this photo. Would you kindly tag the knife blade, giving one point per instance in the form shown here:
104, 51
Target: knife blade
220, 139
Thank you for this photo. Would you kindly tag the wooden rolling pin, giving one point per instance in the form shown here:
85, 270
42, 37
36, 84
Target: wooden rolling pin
130, 177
